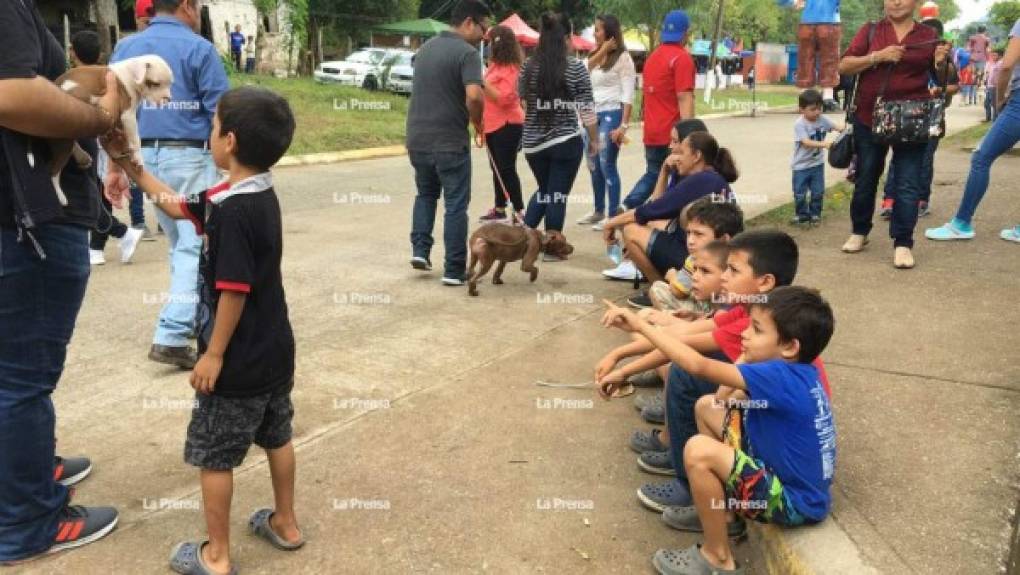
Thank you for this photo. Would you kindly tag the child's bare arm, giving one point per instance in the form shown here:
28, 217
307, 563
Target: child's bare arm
691, 327
162, 195
809, 143
228, 314
689, 359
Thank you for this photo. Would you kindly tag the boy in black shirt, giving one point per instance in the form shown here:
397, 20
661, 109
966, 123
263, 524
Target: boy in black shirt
245, 371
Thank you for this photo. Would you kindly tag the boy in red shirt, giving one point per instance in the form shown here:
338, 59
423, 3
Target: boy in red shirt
668, 86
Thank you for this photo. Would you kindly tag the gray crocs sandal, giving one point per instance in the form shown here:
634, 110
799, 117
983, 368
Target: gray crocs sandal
259, 525
646, 399
644, 441
686, 519
690, 561
186, 559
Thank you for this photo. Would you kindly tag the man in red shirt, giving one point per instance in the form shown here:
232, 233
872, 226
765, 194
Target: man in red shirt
668, 84
977, 45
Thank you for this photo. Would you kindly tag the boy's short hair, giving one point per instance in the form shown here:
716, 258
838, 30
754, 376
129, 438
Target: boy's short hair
474, 9
800, 314
86, 47
262, 123
769, 252
723, 216
808, 98
717, 250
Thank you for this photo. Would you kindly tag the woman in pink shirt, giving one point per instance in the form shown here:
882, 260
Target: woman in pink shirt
504, 120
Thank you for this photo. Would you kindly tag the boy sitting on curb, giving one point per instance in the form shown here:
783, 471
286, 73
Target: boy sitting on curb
781, 469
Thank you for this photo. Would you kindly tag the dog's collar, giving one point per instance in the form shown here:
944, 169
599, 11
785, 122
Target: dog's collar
252, 185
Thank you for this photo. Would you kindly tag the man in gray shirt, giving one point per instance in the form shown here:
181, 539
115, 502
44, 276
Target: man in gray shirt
446, 94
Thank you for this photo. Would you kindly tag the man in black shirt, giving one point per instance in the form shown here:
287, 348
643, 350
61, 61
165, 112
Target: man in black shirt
44, 269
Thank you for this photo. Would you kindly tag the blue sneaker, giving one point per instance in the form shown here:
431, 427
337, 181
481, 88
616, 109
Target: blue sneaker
954, 230
1011, 234
658, 497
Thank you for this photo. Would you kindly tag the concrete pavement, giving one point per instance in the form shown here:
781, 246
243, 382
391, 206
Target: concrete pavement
424, 444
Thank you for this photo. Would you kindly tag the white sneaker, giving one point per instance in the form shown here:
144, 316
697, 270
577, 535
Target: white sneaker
600, 226
626, 271
96, 257
591, 218
128, 243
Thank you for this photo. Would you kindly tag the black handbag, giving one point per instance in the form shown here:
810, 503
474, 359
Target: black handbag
841, 153
909, 121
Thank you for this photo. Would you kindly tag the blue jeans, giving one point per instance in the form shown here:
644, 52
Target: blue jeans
555, 168
39, 303
449, 174
655, 156
808, 191
907, 162
927, 174
606, 176
682, 392
136, 206
1002, 136
187, 171
990, 113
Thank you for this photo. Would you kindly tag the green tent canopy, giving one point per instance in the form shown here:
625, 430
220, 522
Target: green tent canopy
422, 27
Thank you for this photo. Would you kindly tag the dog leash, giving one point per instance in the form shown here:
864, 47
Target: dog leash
514, 220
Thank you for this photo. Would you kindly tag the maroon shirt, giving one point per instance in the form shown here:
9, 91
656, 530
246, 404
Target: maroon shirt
909, 78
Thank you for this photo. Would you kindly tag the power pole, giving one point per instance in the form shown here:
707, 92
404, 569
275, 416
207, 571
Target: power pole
712, 50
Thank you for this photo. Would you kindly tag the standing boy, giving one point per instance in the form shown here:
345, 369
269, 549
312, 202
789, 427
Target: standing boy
808, 163
245, 373
237, 42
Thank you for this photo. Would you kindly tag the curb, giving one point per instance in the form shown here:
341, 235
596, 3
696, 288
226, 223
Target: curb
823, 548
345, 156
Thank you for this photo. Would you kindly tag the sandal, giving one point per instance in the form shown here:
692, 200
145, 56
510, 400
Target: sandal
686, 519
690, 561
259, 525
642, 442
186, 559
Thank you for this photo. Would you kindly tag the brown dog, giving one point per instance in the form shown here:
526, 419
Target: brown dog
144, 78
557, 245
503, 243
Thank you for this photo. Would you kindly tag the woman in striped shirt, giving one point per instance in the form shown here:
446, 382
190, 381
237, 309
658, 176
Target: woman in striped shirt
555, 90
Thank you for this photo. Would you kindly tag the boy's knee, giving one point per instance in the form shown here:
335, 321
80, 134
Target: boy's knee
698, 451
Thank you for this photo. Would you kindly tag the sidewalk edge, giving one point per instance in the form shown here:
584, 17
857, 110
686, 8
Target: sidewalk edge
823, 549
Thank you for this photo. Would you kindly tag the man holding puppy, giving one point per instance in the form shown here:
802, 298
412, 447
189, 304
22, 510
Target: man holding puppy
176, 150
44, 268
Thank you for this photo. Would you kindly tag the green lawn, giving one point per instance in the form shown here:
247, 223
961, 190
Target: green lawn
837, 204
335, 118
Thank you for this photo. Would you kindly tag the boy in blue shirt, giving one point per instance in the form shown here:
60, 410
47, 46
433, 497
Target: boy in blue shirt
809, 157
237, 42
778, 465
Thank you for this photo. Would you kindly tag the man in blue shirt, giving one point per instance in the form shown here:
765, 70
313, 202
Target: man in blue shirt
176, 150
818, 47
236, 43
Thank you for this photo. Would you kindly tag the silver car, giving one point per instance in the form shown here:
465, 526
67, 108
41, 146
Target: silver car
401, 75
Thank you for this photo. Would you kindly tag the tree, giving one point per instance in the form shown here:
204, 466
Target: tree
1005, 13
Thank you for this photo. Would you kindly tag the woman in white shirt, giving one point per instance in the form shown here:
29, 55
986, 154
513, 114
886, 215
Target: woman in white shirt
613, 80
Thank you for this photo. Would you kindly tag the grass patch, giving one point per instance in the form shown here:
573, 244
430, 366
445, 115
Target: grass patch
967, 138
333, 118
837, 204
371, 119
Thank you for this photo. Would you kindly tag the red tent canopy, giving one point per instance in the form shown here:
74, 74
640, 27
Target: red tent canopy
526, 35
580, 44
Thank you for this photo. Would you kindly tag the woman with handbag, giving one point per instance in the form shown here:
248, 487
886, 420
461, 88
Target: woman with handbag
894, 109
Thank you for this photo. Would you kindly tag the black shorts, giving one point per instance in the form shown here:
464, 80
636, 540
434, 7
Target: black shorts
223, 428
667, 250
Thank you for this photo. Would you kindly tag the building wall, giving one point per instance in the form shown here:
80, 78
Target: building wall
273, 55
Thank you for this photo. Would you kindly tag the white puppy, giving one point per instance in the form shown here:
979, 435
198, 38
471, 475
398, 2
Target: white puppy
143, 78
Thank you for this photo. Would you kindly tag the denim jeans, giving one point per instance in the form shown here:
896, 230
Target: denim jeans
39, 303
187, 171
555, 168
136, 206
655, 156
808, 191
1002, 136
448, 174
605, 178
927, 174
907, 164
682, 392
990, 112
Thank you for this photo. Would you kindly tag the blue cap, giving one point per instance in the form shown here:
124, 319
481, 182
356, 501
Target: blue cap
675, 26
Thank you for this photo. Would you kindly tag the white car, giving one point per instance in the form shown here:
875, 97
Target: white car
359, 69
401, 75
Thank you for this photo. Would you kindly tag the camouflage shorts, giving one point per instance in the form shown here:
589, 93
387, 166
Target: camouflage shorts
223, 428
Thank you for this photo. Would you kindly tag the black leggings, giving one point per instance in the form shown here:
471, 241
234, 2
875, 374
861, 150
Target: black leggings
504, 144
